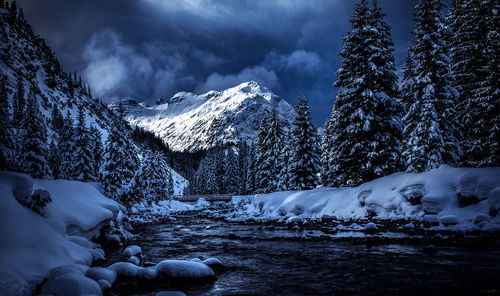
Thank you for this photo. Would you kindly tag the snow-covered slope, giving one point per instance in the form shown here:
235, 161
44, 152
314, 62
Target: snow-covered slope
455, 198
25, 55
190, 122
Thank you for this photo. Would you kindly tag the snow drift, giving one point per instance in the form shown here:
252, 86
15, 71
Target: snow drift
460, 197
31, 245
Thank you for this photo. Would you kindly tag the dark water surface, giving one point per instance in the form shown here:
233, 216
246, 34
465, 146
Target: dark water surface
263, 261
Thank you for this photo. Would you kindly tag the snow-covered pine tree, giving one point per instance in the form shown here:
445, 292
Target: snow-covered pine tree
19, 103
304, 158
120, 159
243, 159
34, 148
83, 161
6, 132
54, 160
326, 148
408, 81
57, 120
431, 130
285, 160
65, 146
250, 171
149, 183
489, 92
206, 175
258, 155
268, 155
470, 22
365, 124
231, 173
97, 149
219, 158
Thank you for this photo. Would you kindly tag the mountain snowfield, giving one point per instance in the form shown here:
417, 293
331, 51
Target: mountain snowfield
191, 122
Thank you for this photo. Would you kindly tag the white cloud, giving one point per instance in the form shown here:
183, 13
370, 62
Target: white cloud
118, 70
299, 61
259, 74
106, 74
303, 60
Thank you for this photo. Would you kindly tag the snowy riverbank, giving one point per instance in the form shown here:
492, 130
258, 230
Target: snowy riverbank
34, 243
450, 198
46, 232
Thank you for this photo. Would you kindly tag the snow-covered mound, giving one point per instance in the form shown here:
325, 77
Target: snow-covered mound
461, 197
189, 122
31, 245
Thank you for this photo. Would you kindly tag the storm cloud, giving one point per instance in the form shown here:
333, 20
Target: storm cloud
147, 49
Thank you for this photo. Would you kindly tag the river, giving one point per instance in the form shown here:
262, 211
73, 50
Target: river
268, 260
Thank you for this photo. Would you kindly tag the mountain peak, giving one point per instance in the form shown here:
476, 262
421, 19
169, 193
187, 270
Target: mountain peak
251, 87
190, 122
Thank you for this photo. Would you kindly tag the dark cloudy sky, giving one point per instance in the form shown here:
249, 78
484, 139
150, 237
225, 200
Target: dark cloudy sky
147, 49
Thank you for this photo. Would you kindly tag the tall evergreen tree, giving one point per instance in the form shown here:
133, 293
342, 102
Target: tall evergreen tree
431, 128
34, 149
365, 124
57, 120
83, 169
97, 149
285, 160
6, 132
219, 158
231, 173
489, 92
66, 147
304, 160
470, 24
206, 177
243, 164
326, 148
120, 160
19, 102
270, 144
408, 82
54, 160
251, 171
149, 183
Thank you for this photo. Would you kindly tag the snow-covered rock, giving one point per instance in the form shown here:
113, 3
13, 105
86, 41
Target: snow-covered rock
69, 280
212, 262
183, 269
295, 220
190, 122
449, 220
482, 218
33, 247
370, 227
132, 250
430, 196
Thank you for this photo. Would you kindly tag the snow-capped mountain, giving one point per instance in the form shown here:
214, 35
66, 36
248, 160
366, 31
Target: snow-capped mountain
190, 122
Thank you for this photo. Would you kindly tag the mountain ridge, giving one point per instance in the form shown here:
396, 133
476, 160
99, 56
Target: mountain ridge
192, 122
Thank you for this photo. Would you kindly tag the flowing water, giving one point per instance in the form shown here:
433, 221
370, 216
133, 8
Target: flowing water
262, 260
